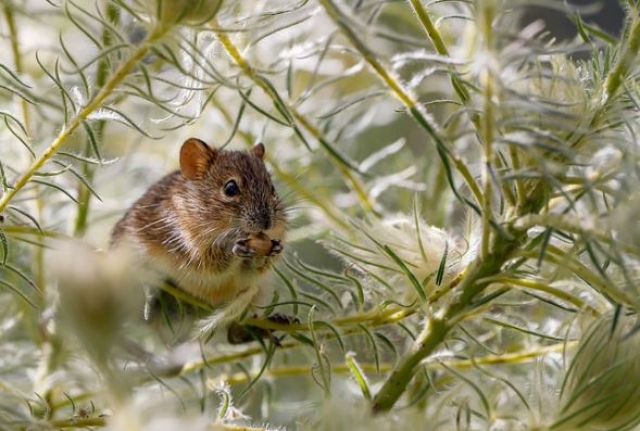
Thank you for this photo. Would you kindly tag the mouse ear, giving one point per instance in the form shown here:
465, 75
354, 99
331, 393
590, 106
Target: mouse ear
258, 150
195, 158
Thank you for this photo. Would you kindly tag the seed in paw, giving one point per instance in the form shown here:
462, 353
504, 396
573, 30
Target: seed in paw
256, 245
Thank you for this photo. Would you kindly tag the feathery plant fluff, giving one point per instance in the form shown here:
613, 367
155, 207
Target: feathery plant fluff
462, 193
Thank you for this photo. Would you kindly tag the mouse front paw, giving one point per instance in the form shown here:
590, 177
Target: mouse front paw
242, 248
276, 247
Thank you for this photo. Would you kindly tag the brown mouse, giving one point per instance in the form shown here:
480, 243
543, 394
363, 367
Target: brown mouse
213, 228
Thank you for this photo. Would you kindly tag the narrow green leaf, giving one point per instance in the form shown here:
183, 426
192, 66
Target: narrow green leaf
417, 286
18, 292
416, 221
474, 386
334, 330
236, 123
93, 142
18, 136
352, 101
443, 264
290, 288
374, 345
245, 98
83, 180
359, 288
13, 75
327, 289
326, 377
10, 268
267, 360
4, 246
25, 214
358, 375
80, 26
56, 187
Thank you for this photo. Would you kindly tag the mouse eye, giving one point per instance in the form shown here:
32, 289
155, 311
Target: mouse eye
231, 188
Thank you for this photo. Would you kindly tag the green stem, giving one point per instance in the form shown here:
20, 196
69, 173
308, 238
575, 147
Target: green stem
17, 59
415, 109
106, 91
458, 85
428, 340
519, 357
39, 278
104, 67
79, 422
487, 128
627, 60
475, 281
441, 48
436, 329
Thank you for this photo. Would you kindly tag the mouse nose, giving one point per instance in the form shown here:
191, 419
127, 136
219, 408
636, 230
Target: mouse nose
262, 219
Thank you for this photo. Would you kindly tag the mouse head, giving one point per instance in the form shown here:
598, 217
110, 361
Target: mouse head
233, 187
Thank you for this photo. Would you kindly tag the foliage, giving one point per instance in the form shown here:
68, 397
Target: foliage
382, 120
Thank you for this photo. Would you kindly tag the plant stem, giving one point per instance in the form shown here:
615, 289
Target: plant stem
441, 48
415, 109
437, 328
38, 252
486, 15
615, 79
84, 195
17, 60
79, 422
428, 340
95, 103
391, 82
475, 281
561, 294
519, 357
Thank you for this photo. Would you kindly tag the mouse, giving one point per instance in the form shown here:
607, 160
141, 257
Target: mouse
211, 229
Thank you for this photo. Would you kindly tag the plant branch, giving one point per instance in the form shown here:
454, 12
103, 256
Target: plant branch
441, 48
79, 422
461, 364
437, 328
561, 294
415, 109
104, 65
615, 79
17, 60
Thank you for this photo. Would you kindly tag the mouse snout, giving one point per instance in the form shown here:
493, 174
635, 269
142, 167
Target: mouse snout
263, 218
260, 219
